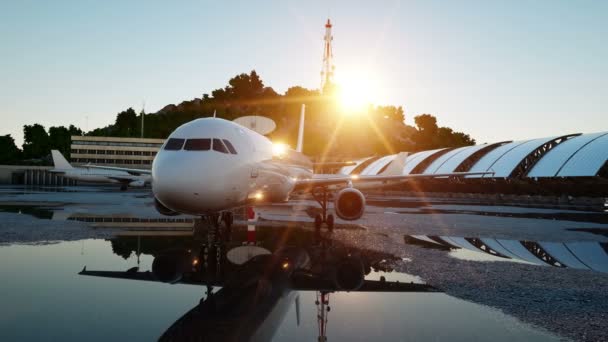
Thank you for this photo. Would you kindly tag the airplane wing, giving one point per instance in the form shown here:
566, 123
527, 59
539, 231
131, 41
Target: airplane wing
125, 179
308, 282
134, 274
134, 172
299, 282
392, 174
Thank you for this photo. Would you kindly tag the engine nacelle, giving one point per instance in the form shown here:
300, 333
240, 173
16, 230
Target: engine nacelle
170, 267
137, 183
163, 210
349, 274
349, 204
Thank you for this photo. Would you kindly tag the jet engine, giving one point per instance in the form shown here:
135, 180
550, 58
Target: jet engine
163, 210
349, 273
170, 267
137, 183
349, 204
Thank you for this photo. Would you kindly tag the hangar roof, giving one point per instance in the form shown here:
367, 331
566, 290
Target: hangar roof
375, 167
579, 156
449, 162
414, 159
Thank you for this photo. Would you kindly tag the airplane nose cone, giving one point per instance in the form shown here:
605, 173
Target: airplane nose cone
190, 186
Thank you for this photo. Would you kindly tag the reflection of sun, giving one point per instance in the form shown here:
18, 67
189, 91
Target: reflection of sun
356, 92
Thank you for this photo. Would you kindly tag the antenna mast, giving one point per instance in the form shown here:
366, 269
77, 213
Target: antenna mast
143, 112
327, 73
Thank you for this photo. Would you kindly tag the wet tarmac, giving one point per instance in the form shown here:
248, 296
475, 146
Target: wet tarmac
410, 270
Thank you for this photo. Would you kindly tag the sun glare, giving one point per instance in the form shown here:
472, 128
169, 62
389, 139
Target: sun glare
279, 149
356, 92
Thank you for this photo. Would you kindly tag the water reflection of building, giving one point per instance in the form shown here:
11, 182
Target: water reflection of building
580, 255
119, 221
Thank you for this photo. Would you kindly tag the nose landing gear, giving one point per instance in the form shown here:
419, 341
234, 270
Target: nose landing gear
320, 195
213, 224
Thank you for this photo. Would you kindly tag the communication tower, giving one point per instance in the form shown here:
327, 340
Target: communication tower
327, 73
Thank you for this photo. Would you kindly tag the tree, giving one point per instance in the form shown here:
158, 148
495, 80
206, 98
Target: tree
36, 141
9, 153
127, 124
74, 130
60, 139
430, 136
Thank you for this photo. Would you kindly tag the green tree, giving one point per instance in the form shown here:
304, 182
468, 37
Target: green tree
9, 153
36, 141
60, 139
126, 124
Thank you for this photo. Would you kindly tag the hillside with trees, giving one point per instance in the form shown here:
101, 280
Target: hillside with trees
329, 132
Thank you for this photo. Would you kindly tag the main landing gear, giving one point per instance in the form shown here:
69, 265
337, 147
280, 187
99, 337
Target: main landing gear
320, 195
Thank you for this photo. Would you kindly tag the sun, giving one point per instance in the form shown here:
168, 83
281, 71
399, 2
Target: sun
356, 92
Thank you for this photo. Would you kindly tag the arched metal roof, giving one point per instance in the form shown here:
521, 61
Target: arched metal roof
413, 160
588, 160
561, 253
591, 254
346, 170
375, 167
557, 158
505, 158
449, 162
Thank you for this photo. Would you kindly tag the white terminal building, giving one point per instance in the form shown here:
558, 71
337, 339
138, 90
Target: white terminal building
112, 151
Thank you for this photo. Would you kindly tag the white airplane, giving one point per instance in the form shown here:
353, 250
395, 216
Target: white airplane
93, 174
210, 166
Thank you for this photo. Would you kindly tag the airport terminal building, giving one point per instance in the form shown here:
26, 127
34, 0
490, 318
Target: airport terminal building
135, 153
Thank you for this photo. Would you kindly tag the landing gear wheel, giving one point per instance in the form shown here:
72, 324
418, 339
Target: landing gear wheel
123, 187
330, 222
228, 219
318, 223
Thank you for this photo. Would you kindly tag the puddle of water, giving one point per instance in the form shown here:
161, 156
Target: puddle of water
42, 287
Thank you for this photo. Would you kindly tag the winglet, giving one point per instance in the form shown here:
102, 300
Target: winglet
395, 168
59, 161
300, 145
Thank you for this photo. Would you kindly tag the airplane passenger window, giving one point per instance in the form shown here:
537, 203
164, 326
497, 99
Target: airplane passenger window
219, 146
174, 144
198, 145
229, 145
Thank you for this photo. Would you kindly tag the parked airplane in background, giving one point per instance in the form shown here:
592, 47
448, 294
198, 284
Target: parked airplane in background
98, 175
210, 166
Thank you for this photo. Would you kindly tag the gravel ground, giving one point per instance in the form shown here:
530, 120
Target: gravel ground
571, 303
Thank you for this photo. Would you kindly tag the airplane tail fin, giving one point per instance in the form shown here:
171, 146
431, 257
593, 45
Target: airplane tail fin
59, 161
395, 168
301, 129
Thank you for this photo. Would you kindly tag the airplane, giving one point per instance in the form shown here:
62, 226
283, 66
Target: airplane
256, 295
92, 174
209, 167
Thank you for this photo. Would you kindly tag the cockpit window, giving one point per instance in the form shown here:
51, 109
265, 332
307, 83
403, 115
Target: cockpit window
174, 144
229, 145
219, 146
198, 145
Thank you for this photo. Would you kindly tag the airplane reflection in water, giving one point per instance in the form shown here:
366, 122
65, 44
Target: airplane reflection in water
259, 282
588, 255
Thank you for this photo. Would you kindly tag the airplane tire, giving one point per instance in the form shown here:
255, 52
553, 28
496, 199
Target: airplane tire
123, 187
330, 222
318, 223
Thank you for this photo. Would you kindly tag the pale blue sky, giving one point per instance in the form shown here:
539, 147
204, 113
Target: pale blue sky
495, 69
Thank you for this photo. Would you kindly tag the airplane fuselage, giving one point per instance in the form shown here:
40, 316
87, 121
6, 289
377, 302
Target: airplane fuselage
210, 165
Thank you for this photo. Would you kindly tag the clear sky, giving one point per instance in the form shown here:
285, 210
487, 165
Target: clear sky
497, 70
